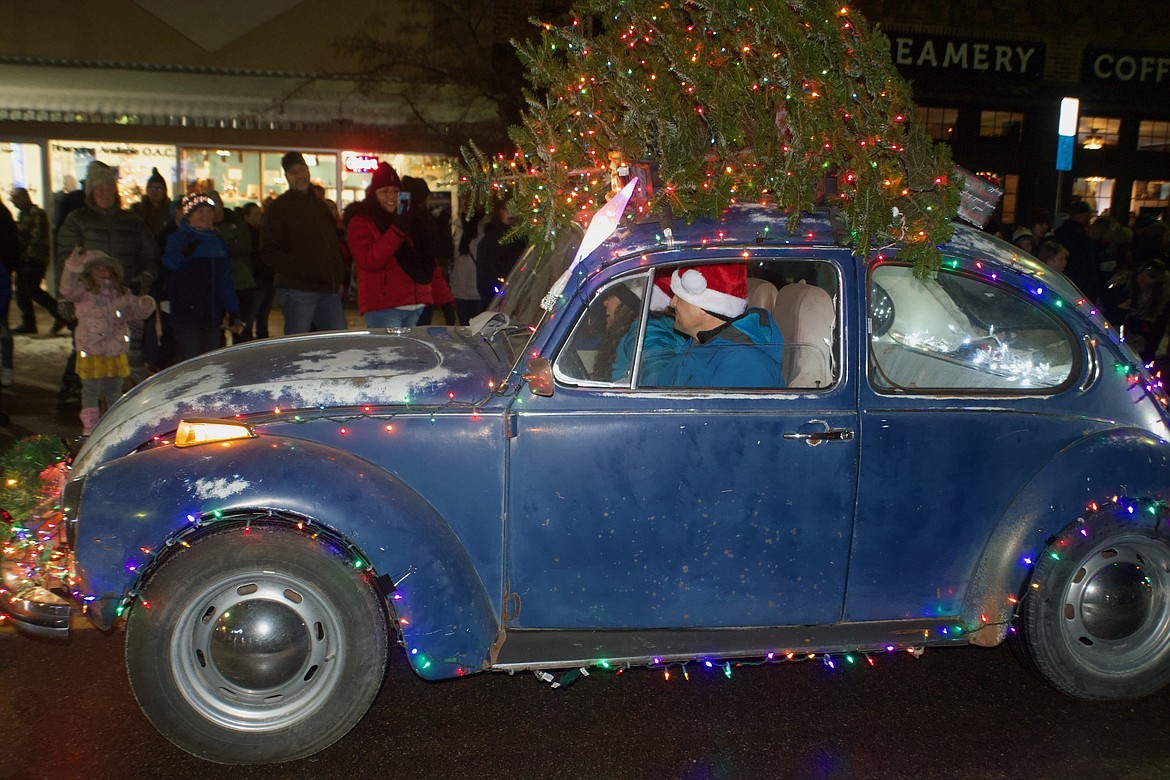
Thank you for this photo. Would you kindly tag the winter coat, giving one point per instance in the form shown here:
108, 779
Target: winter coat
298, 239
9, 240
382, 282
463, 283
102, 316
746, 352
156, 218
199, 283
661, 343
494, 260
119, 234
34, 236
238, 237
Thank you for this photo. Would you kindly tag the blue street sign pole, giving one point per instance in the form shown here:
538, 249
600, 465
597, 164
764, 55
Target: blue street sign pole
1065, 141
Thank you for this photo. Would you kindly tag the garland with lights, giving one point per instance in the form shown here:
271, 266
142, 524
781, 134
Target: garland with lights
30, 519
726, 101
26, 478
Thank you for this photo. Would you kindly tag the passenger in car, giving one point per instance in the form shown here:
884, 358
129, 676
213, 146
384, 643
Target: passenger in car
662, 341
729, 345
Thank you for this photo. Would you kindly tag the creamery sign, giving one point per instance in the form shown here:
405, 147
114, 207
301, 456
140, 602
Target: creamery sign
945, 55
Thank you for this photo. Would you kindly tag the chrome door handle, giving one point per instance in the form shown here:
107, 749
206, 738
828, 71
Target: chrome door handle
816, 437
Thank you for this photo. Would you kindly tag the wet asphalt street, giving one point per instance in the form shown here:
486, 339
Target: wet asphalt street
66, 710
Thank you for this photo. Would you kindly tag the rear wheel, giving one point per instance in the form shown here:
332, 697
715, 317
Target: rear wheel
1097, 626
256, 647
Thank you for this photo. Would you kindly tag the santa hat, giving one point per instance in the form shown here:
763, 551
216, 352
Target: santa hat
660, 293
384, 176
718, 289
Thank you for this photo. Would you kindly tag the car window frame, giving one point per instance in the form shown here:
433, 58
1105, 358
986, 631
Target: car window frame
1072, 336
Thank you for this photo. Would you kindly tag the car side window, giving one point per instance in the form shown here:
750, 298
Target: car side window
601, 349
956, 333
786, 337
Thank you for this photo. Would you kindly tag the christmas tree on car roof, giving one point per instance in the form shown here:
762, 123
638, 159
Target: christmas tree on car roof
730, 101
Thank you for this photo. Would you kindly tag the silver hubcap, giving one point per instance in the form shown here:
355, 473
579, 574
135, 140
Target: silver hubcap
256, 651
1115, 616
260, 645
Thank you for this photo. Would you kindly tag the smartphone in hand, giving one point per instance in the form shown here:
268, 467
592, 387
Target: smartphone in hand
403, 202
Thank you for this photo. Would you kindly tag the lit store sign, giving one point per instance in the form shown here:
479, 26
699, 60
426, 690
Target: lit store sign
1134, 68
360, 163
952, 56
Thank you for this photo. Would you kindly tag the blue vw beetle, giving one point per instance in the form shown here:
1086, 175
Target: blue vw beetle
962, 459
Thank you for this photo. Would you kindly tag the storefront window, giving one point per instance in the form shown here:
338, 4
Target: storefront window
1096, 191
939, 122
1150, 197
1001, 124
438, 172
1154, 136
132, 162
1098, 132
322, 170
20, 166
233, 173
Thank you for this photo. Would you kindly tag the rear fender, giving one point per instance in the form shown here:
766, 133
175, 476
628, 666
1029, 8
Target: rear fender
1126, 464
134, 507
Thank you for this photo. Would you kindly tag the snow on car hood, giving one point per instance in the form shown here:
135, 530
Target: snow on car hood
419, 366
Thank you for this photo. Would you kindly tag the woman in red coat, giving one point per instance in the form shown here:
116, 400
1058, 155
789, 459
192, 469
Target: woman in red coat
397, 276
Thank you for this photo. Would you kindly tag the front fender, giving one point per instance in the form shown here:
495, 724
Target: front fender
1123, 462
132, 507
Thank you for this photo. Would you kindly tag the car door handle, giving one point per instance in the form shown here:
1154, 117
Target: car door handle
816, 437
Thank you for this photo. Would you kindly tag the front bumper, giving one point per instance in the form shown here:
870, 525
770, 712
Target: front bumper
38, 612
36, 569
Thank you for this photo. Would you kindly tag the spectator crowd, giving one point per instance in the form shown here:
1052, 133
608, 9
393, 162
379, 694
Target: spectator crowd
141, 287
167, 279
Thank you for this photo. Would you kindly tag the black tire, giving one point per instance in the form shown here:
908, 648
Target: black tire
1096, 624
256, 647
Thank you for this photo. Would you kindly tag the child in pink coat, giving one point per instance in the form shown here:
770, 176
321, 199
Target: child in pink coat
93, 282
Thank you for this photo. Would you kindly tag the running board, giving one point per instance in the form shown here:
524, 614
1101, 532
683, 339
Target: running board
566, 648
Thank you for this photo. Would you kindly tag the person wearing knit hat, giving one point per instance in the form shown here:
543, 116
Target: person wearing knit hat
92, 282
1024, 239
200, 291
397, 276
155, 207
384, 176
729, 345
98, 174
103, 225
300, 243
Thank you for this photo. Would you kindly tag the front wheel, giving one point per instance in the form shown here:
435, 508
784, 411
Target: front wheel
1097, 623
258, 646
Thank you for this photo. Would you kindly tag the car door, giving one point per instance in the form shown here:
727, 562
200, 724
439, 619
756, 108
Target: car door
972, 386
632, 507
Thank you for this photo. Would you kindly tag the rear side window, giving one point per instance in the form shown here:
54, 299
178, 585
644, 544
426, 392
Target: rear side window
959, 334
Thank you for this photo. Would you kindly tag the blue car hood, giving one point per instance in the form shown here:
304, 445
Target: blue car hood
416, 367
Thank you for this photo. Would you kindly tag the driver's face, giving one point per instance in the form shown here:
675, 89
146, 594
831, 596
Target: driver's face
688, 318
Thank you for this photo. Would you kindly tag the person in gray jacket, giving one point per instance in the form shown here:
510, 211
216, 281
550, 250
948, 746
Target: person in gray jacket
103, 225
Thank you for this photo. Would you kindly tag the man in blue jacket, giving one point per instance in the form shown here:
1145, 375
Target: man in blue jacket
730, 345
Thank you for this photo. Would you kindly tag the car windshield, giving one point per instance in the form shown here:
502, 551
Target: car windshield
533, 276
